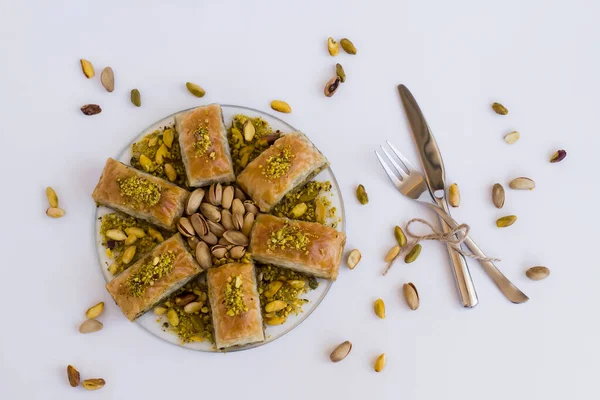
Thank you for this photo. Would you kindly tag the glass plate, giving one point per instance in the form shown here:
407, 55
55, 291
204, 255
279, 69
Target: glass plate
149, 320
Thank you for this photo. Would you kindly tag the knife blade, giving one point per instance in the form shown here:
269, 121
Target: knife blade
435, 177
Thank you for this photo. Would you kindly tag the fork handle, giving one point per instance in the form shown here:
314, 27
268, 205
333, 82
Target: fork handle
462, 276
507, 288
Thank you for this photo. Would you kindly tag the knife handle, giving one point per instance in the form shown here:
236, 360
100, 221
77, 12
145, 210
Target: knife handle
462, 276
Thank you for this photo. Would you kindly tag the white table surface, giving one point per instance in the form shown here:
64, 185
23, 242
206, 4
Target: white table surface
539, 58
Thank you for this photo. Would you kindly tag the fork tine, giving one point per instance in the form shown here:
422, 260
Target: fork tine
397, 182
404, 160
400, 170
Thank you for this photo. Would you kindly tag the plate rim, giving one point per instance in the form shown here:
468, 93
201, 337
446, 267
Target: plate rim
317, 303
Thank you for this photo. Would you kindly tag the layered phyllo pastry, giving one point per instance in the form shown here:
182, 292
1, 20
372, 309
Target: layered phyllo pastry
307, 247
204, 147
140, 195
153, 278
291, 161
235, 304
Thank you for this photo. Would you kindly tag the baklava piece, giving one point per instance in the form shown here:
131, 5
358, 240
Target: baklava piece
235, 305
153, 278
291, 161
307, 247
204, 146
140, 195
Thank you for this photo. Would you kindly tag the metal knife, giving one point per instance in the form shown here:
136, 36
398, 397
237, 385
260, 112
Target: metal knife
433, 167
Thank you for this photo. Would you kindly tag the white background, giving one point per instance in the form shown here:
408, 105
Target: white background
539, 58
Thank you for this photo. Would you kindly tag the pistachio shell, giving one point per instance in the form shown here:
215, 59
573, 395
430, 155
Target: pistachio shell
107, 78
73, 376
90, 326
55, 212
248, 222
237, 252
411, 295
227, 197
203, 255
239, 194
512, 137
211, 212
237, 207
537, 273
498, 195
522, 183
200, 224
341, 351
227, 220
236, 237
185, 227
219, 251
354, 258
216, 228
250, 207
558, 156
210, 238
194, 201
332, 86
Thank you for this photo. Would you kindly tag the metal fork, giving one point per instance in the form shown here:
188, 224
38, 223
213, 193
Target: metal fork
411, 183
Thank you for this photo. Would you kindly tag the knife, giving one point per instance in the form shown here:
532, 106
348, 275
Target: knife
433, 167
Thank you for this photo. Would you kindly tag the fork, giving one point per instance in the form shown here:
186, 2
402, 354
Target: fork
411, 183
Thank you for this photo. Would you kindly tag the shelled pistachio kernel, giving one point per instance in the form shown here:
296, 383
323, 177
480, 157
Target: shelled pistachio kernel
392, 253
52, 197
348, 46
361, 195
413, 254
506, 221
380, 363
281, 106
333, 47
379, 308
558, 156
512, 137
195, 89
537, 273
87, 68
400, 236
454, 195
95, 311
499, 109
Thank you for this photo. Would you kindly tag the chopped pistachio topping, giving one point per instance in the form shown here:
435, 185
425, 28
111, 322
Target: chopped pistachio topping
150, 272
289, 237
139, 190
234, 296
278, 165
203, 142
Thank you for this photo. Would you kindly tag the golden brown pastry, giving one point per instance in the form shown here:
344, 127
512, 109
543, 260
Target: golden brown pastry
306, 247
204, 147
140, 195
235, 304
288, 163
154, 277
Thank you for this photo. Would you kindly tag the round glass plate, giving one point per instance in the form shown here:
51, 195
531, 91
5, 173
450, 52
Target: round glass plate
314, 297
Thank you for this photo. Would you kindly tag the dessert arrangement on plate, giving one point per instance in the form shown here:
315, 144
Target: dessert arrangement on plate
219, 228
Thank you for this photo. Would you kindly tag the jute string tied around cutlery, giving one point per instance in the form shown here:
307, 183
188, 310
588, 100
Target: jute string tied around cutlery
454, 238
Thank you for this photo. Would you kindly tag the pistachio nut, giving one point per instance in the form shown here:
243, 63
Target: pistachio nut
332, 86
90, 325
339, 71
168, 137
52, 197
172, 317
348, 46
411, 296
203, 255
136, 98
73, 376
413, 254
215, 228
320, 211
236, 238
94, 311
107, 78
498, 195
361, 195
211, 212
340, 352
506, 221
193, 307
239, 194
116, 234
237, 207
160, 310
392, 254
87, 68
275, 320
298, 210
379, 308
354, 258
156, 235
499, 109
558, 156
194, 89
333, 47
454, 195
170, 172
227, 197
272, 288
249, 131
200, 224
512, 137
219, 251
276, 305
400, 236
248, 222
146, 163
194, 201
537, 273
184, 226
380, 363
250, 207
227, 220
137, 232
522, 183
128, 254
281, 106
93, 384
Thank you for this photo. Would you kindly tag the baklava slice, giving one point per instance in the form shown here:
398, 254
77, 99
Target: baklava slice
307, 247
235, 305
140, 195
291, 161
153, 278
204, 147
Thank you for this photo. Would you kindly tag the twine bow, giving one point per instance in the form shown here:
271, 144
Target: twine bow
454, 238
